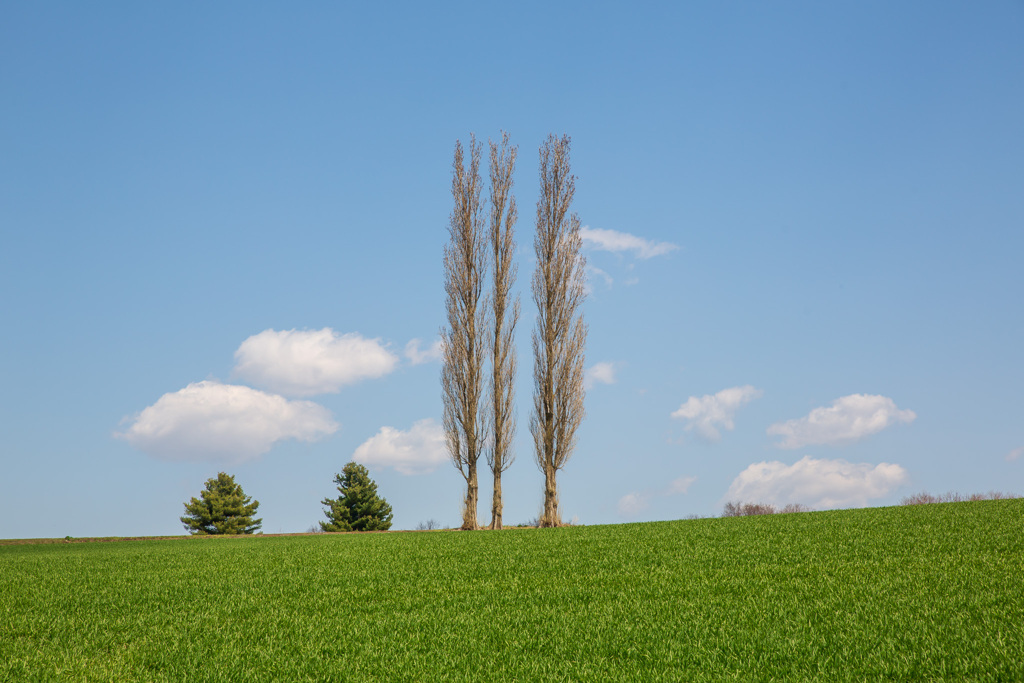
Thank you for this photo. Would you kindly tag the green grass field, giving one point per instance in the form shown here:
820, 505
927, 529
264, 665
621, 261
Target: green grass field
930, 592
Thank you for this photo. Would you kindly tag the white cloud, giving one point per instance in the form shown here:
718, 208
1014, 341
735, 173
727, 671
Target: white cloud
816, 483
848, 419
417, 356
209, 420
1015, 454
599, 373
612, 240
707, 413
308, 362
418, 451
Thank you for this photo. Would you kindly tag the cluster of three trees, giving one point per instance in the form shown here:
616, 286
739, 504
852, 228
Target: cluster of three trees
481, 326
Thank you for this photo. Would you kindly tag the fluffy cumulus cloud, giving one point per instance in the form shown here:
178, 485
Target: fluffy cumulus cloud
599, 373
420, 450
709, 413
1015, 454
418, 356
309, 362
613, 240
635, 502
848, 419
213, 421
816, 483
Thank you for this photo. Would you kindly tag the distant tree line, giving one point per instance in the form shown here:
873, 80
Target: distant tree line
750, 509
222, 507
925, 498
740, 509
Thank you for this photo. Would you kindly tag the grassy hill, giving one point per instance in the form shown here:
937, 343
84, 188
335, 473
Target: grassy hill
921, 592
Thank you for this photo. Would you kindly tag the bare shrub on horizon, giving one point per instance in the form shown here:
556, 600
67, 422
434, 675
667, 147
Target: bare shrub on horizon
740, 509
925, 498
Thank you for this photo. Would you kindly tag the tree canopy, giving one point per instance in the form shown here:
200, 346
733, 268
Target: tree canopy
358, 508
222, 508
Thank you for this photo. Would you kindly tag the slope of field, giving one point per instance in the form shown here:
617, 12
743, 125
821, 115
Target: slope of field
924, 592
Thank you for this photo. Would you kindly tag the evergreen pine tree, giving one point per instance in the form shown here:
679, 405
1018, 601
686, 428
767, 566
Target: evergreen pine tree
222, 508
358, 508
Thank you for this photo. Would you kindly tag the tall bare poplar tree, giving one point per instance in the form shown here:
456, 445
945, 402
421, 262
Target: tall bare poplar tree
464, 340
504, 316
560, 335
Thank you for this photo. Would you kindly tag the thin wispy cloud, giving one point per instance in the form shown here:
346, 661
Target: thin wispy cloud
310, 362
633, 503
594, 273
418, 450
636, 502
615, 241
848, 419
680, 485
820, 484
418, 356
709, 413
1015, 454
599, 373
223, 422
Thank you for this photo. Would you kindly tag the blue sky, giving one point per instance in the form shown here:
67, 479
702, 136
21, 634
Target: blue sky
222, 231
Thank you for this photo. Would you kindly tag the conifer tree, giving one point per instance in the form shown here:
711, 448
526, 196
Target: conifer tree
222, 508
358, 508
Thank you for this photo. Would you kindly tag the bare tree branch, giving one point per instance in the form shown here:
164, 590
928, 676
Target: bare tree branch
465, 265
504, 317
558, 288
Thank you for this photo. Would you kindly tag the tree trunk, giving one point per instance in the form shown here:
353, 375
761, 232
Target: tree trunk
472, 495
550, 517
496, 501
